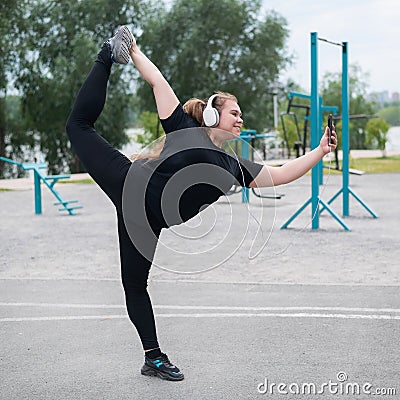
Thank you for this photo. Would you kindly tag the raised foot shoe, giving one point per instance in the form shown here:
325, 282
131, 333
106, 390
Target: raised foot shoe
120, 44
161, 367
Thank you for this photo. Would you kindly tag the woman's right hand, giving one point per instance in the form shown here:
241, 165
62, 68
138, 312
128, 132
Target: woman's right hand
324, 143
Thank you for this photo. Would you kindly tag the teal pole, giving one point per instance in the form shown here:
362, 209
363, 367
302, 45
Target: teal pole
314, 129
246, 155
316, 110
345, 130
38, 192
321, 122
346, 190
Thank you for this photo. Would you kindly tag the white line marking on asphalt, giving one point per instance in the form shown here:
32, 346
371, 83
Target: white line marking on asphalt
257, 283
185, 307
61, 305
83, 278
62, 318
289, 315
306, 308
210, 315
345, 284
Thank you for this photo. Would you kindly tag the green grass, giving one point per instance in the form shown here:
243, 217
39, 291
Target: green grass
79, 181
376, 165
373, 165
63, 181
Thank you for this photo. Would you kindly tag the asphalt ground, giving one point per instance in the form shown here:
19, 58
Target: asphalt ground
314, 308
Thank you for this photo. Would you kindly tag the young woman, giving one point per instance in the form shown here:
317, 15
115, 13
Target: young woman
113, 172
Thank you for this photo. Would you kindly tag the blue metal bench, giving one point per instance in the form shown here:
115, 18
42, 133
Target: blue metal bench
49, 181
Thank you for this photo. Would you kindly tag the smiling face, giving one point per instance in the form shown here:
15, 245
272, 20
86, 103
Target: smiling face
230, 118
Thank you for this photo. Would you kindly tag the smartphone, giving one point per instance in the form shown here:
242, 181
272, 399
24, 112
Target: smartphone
330, 123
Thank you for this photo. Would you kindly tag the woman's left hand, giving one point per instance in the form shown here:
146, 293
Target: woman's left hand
324, 143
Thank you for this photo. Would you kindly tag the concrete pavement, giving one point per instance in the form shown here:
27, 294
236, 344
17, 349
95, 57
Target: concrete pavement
312, 305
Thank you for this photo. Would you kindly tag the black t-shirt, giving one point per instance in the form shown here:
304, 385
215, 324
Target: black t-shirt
181, 120
190, 173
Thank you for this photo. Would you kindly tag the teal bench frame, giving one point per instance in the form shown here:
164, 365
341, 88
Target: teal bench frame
49, 181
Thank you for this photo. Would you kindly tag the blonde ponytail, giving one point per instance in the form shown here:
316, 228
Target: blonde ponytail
195, 107
153, 150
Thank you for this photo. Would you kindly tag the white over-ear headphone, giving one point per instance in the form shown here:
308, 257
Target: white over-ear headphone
210, 114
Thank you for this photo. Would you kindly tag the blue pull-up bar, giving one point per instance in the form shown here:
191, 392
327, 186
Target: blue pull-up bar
316, 115
317, 204
346, 190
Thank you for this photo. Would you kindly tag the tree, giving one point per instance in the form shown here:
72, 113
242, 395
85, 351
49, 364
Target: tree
19, 142
152, 128
201, 46
291, 134
13, 133
391, 115
332, 95
57, 56
377, 130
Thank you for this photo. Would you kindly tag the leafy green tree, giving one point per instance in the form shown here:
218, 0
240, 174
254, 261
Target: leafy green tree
291, 133
60, 46
151, 126
14, 136
377, 130
332, 95
300, 112
391, 115
19, 141
203, 45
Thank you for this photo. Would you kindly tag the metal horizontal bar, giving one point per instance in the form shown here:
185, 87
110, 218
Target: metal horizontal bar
70, 208
329, 41
65, 202
357, 116
300, 106
334, 109
57, 177
297, 94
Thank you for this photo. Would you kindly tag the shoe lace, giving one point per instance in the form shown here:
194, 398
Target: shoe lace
164, 358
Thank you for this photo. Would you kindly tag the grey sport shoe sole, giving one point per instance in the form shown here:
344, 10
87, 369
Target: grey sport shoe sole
120, 44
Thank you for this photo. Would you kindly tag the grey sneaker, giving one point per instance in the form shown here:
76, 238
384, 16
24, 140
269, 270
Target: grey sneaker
120, 44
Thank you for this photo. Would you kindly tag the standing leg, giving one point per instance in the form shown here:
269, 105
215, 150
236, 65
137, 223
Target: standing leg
135, 270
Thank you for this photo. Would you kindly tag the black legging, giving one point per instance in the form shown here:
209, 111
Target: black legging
108, 167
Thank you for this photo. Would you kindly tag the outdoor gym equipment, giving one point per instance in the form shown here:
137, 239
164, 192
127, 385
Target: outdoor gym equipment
303, 141
299, 143
355, 116
49, 181
247, 137
315, 200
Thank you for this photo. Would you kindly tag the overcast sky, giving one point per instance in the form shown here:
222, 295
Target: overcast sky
371, 27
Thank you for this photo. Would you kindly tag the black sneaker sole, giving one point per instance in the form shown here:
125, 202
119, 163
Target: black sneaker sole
148, 371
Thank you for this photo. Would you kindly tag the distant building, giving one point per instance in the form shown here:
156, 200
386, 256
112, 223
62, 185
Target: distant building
382, 97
